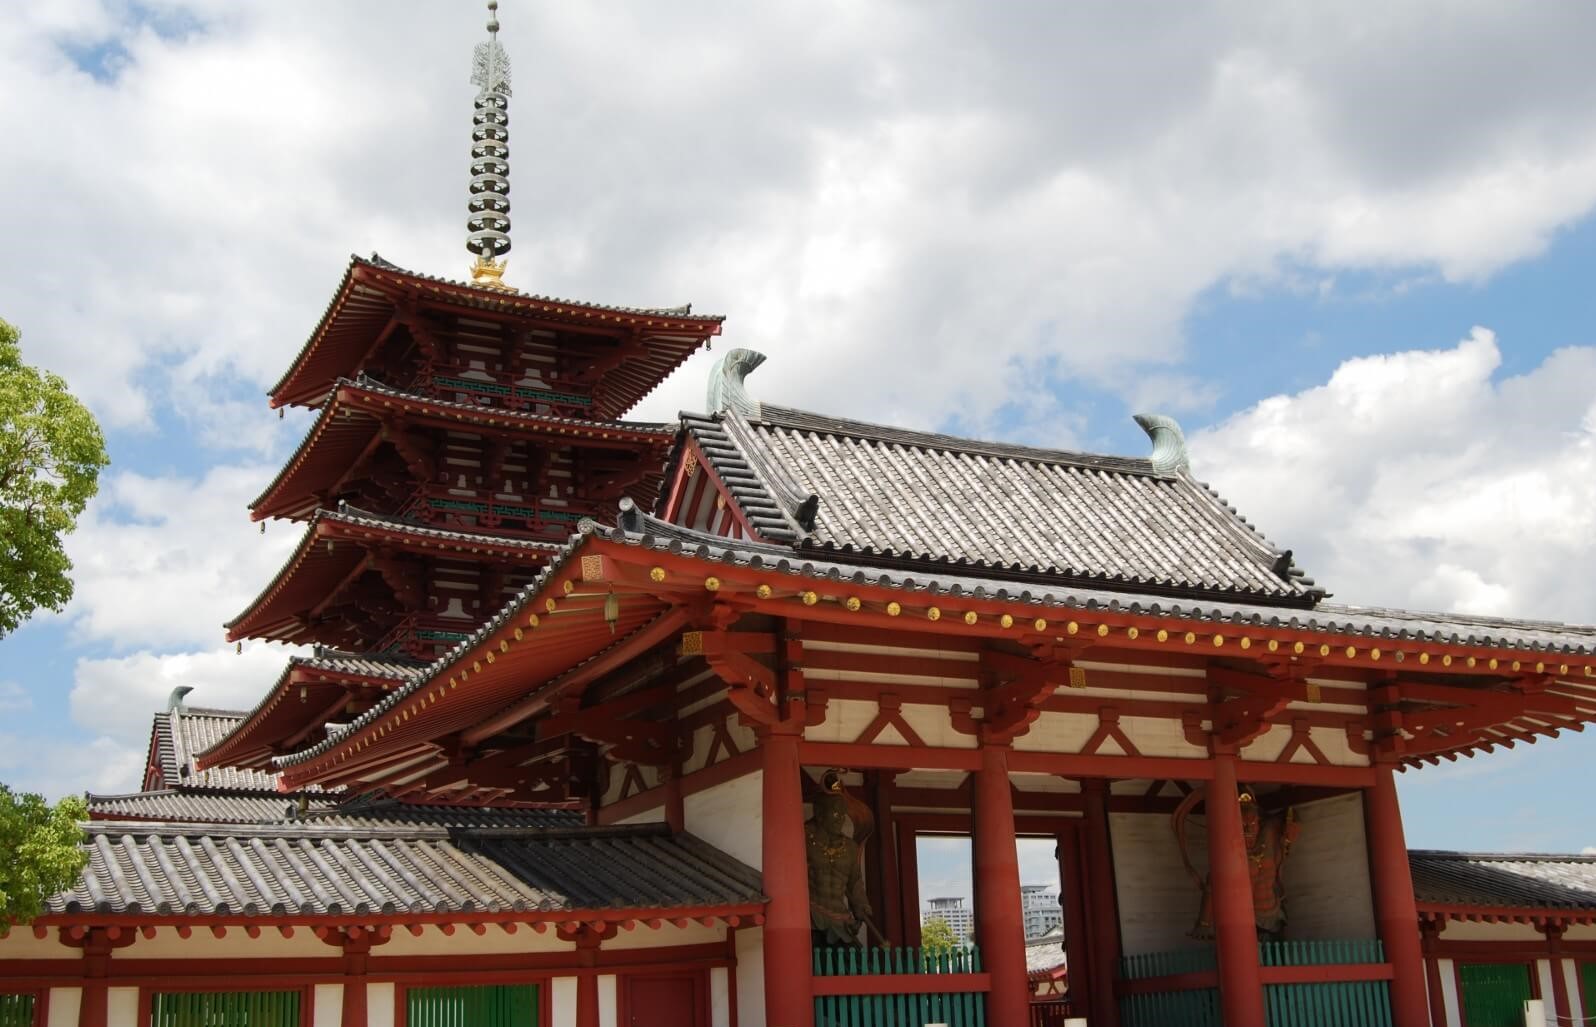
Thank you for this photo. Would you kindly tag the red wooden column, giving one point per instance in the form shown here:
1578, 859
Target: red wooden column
999, 920
1072, 895
1230, 886
670, 779
1396, 915
1102, 905
356, 945
789, 989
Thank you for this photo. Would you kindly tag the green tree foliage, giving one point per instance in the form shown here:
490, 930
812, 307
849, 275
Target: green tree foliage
40, 843
51, 452
936, 935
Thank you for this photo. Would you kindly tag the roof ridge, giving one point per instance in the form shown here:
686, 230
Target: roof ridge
805, 420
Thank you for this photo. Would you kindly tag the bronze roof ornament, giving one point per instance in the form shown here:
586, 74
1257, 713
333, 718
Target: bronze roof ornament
1169, 454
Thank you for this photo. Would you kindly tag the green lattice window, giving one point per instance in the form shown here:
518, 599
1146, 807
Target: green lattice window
1494, 993
16, 1010
493, 1005
225, 1009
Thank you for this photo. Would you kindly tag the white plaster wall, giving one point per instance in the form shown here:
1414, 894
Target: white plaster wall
1543, 970
121, 1007
21, 944
64, 1004
1160, 736
729, 816
719, 998
1570, 969
236, 944
1326, 877
1465, 930
751, 978
466, 942
562, 1001
845, 720
1449, 996
1158, 902
1267, 746
327, 1005
931, 723
642, 937
606, 1000
379, 1004
648, 816
1575, 932
1057, 732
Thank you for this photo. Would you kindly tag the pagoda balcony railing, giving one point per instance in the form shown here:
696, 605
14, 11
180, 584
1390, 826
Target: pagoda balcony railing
899, 987
460, 386
486, 513
423, 635
1330, 983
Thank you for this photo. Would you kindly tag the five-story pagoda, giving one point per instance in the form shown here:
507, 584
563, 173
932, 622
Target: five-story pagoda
464, 430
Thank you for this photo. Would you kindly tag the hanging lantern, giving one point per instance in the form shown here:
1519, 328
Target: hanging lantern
612, 610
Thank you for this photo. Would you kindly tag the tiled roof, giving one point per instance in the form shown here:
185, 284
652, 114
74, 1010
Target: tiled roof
310, 569
174, 806
650, 533
684, 311
1045, 954
366, 665
1512, 880
202, 807
349, 421
887, 495
365, 301
310, 871
183, 732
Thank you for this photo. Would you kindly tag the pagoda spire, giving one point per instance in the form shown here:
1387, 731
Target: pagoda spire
489, 220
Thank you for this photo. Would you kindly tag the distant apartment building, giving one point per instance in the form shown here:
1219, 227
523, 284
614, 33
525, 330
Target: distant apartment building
1041, 910
1039, 904
958, 915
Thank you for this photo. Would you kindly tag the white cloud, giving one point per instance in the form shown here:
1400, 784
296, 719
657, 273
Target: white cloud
1421, 479
114, 697
918, 211
56, 768
163, 561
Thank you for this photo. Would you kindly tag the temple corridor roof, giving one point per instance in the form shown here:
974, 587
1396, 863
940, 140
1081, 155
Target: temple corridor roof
306, 870
880, 495
1486, 882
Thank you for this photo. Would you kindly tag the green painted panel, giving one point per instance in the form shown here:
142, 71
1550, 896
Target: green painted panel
225, 1009
1494, 993
493, 1005
956, 1009
16, 1011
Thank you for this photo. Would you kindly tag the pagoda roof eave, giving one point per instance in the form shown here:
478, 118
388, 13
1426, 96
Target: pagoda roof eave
349, 422
499, 664
365, 301
285, 710
311, 571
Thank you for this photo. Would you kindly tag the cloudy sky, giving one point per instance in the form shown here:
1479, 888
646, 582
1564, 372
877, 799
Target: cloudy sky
1350, 247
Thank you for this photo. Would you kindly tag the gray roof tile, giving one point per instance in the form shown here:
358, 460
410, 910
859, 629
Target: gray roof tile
1503, 880
308, 871
177, 806
919, 499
